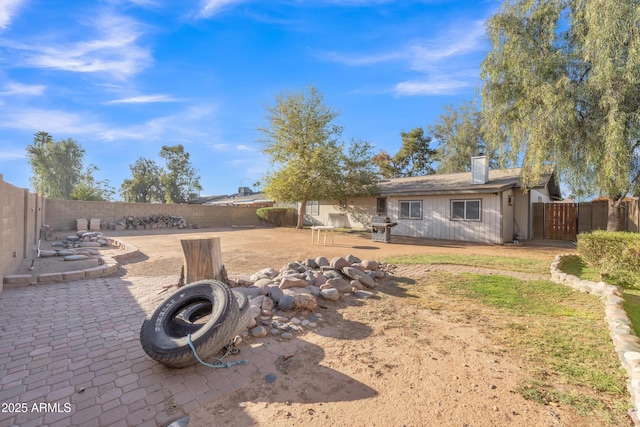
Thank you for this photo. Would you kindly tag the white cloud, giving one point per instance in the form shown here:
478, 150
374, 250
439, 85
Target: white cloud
243, 147
12, 153
433, 87
143, 99
213, 7
54, 121
21, 89
180, 126
441, 61
113, 50
8, 9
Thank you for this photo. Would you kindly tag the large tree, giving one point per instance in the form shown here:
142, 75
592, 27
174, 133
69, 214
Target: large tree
145, 184
561, 86
307, 159
458, 131
181, 181
414, 158
88, 188
56, 166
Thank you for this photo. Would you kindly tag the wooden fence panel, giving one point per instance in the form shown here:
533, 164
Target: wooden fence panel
584, 218
538, 220
560, 221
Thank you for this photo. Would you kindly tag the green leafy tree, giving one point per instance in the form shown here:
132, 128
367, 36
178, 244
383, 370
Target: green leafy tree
145, 185
181, 181
459, 134
561, 86
56, 166
415, 157
88, 188
308, 161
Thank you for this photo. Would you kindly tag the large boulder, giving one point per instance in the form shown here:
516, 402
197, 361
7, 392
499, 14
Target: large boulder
360, 276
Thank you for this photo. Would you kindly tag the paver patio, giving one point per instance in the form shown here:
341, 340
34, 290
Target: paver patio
75, 348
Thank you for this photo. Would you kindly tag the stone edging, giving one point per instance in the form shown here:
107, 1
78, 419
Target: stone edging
626, 343
109, 267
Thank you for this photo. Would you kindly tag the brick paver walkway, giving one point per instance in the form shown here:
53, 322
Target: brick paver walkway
70, 355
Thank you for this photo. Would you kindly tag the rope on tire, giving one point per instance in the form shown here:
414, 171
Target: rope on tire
229, 349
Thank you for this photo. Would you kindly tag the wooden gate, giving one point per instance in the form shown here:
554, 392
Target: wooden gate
560, 221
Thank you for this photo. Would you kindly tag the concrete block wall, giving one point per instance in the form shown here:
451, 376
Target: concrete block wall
21, 216
62, 214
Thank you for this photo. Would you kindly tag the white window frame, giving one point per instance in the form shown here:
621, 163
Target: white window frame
410, 202
465, 202
312, 208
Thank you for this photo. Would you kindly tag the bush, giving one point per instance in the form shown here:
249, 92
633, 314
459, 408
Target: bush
612, 253
277, 216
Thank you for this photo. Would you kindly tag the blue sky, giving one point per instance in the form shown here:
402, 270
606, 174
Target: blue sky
125, 77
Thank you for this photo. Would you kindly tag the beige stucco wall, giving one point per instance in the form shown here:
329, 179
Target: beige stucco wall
356, 213
21, 218
62, 214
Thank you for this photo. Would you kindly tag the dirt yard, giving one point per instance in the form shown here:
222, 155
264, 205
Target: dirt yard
375, 362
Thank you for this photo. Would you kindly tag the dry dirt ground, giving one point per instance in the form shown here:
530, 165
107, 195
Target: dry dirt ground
375, 362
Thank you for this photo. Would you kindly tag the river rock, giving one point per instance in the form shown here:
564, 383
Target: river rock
352, 259
293, 282
90, 245
275, 293
319, 279
286, 302
262, 283
338, 263
330, 294
310, 263
355, 284
305, 302
259, 331
266, 273
368, 264
360, 276
332, 274
322, 261
267, 304
340, 284
295, 265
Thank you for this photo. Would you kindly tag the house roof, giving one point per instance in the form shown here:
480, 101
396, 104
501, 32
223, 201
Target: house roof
460, 183
255, 198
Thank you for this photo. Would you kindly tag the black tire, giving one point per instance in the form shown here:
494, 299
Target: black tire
163, 343
186, 325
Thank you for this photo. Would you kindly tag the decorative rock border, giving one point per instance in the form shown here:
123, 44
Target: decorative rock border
109, 267
626, 343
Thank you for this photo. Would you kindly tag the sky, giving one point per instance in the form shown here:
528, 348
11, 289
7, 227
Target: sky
125, 77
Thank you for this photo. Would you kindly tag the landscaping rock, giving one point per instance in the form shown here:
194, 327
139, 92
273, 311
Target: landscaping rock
360, 276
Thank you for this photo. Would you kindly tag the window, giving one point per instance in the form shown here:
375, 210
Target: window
411, 209
381, 206
312, 208
466, 210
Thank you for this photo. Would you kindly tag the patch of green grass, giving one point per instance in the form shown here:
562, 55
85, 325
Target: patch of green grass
576, 266
524, 265
559, 332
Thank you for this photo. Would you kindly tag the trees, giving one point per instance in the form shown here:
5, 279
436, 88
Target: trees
145, 185
459, 133
561, 85
308, 161
151, 183
56, 166
88, 188
414, 158
180, 181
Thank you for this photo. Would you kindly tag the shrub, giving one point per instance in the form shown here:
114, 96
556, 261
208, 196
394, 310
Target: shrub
612, 253
277, 216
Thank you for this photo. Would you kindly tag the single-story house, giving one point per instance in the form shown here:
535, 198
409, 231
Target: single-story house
483, 205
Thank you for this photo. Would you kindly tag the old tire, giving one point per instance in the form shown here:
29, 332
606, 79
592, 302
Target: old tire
185, 324
163, 343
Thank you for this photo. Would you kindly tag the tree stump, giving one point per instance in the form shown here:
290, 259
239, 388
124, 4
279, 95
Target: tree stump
203, 259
